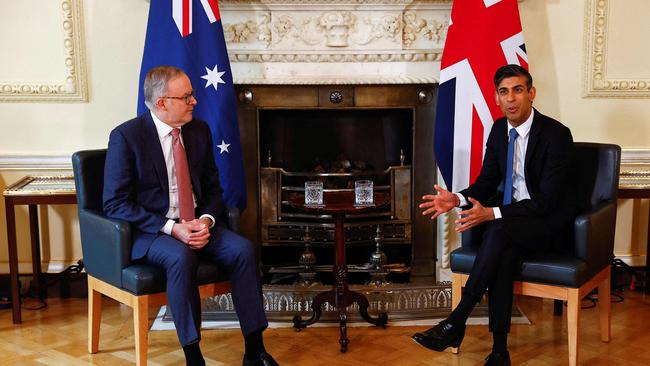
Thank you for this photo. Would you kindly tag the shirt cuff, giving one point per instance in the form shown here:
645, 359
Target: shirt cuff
210, 217
167, 229
497, 212
461, 198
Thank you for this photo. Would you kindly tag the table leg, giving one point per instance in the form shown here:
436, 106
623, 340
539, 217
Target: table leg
340, 296
647, 259
36, 249
340, 278
316, 308
13, 260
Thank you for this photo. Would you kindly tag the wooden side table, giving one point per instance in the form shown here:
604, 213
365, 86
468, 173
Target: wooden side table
32, 191
338, 204
636, 185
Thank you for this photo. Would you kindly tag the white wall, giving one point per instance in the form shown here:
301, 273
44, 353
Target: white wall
34, 52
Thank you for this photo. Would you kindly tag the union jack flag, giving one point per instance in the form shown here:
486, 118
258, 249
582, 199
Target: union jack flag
483, 36
188, 34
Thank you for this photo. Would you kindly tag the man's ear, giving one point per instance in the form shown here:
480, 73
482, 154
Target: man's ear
532, 93
496, 98
160, 103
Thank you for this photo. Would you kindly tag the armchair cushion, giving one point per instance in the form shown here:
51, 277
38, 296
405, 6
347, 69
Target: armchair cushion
550, 268
142, 279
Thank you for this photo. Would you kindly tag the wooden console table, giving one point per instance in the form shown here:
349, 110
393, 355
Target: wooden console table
636, 185
32, 191
338, 204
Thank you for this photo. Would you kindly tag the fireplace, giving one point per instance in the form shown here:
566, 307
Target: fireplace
363, 74
291, 134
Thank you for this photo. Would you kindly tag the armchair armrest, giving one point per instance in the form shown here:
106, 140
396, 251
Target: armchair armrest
594, 235
232, 217
106, 246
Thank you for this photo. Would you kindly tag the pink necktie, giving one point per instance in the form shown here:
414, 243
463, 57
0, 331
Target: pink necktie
185, 201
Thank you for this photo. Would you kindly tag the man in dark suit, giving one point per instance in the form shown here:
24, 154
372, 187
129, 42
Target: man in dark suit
521, 200
160, 176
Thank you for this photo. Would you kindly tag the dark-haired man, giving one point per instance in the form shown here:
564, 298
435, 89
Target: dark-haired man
520, 198
161, 177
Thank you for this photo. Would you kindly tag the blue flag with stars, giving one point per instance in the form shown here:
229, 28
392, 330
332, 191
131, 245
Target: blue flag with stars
188, 34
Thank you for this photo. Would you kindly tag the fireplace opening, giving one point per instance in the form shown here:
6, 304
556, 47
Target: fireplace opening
302, 140
336, 147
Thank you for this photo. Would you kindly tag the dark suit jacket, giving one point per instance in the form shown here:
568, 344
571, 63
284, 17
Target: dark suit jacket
136, 186
548, 163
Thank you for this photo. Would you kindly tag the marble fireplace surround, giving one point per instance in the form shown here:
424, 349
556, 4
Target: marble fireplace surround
338, 42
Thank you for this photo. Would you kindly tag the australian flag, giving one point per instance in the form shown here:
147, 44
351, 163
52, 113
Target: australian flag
188, 34
483, 36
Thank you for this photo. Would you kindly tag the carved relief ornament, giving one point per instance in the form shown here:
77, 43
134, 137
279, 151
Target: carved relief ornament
597, 83
74, 87
276, 42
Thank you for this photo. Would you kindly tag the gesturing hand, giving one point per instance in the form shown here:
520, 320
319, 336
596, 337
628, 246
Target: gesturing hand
474, 216
194, 233
438, 203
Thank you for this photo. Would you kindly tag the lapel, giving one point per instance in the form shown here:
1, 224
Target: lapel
533, 139
150, 138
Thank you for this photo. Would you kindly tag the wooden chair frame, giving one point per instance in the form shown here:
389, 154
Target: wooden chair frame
572, 296
140, 305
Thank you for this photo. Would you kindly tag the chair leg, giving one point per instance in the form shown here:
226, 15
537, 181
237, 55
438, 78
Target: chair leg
605, 307
94, 316
140, 329
558, 307
573, 323
456, 293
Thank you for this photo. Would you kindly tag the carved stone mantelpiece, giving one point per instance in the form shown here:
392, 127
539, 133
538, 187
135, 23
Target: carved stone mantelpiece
335, 41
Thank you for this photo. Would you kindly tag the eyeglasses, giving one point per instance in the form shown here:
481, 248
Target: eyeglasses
186, 98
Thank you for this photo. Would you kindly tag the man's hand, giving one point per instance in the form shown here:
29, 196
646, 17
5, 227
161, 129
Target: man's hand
438, 203
195, 233
474, 216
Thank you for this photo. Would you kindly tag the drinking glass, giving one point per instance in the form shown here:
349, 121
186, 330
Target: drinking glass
313, 193
363, 193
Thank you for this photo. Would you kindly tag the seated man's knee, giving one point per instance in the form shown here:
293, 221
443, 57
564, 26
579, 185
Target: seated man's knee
184, 258
245, 249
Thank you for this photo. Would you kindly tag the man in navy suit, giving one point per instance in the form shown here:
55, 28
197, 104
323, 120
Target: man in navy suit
529, 211
140, 186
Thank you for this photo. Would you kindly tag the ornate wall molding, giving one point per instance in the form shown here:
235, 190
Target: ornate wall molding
35, 162
335, 41
74, 87
597, 83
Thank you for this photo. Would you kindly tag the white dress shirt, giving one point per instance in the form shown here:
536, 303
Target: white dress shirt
164, 135
519, 189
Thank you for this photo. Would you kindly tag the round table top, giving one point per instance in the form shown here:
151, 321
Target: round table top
338, 202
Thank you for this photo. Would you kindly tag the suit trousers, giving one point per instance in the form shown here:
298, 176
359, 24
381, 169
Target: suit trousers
230, 251
504, 243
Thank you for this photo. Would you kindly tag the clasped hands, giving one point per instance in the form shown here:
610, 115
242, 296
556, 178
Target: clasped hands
443, 201
195, 233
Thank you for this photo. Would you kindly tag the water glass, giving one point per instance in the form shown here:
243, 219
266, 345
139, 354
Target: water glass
363, 193
313, 193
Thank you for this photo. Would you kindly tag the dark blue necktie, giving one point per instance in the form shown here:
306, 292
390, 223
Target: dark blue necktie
507, 193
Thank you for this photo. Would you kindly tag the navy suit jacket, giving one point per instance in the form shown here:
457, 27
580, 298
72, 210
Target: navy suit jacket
136, 187
548, 166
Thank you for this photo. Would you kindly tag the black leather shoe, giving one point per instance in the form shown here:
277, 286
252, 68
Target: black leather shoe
264, 360
498, 359
443, 335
